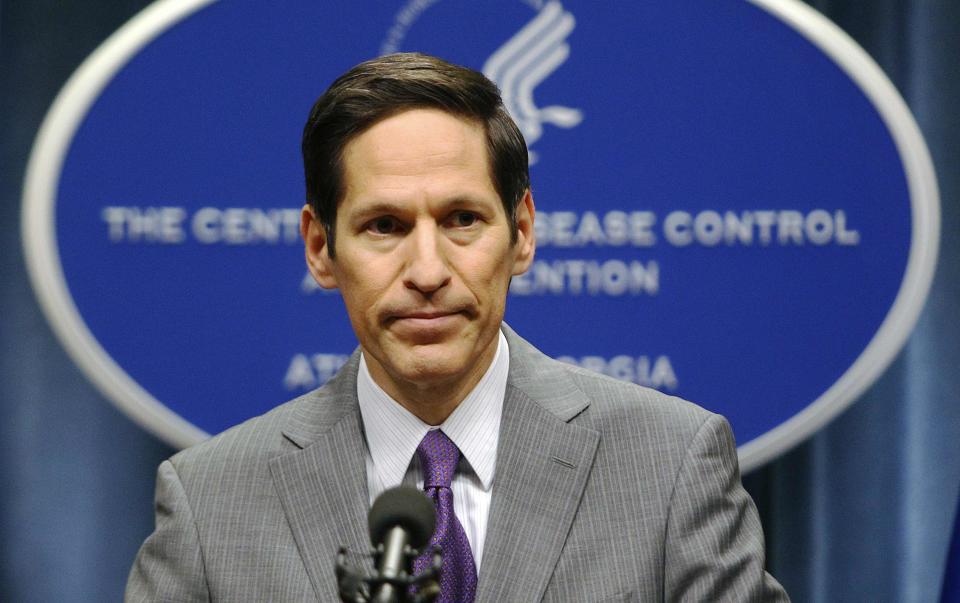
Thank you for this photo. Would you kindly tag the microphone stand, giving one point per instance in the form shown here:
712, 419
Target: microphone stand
394, 582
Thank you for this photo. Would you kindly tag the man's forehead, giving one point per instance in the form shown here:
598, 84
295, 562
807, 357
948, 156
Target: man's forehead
417, 143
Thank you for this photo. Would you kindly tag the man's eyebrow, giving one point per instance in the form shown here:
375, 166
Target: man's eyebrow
375, 208
468, 201
382, 207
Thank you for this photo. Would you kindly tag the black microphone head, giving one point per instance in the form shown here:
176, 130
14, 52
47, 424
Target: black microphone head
406, 507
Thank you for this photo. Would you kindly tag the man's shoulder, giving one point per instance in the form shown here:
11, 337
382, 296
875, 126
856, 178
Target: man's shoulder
637, 416
604, 399
289, 426
615, 396
243, 452
638, 427
257, 433
646, 433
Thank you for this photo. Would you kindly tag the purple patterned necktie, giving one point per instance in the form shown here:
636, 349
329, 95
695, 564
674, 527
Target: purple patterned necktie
458, 581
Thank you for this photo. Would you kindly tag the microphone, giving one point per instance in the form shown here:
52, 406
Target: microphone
400, 519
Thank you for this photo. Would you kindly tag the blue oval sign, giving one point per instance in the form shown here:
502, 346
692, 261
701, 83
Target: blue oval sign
734, 204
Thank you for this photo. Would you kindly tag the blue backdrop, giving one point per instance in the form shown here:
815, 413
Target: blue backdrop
860, 512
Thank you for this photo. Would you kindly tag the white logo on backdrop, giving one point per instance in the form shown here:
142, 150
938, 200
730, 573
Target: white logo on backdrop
525, 60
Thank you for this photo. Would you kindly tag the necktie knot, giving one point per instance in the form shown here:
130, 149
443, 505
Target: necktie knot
438, 457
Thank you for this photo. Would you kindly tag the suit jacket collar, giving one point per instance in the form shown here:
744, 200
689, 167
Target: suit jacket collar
543, 462
322, 485
317, 412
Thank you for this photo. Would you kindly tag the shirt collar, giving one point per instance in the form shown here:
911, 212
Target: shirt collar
393, 433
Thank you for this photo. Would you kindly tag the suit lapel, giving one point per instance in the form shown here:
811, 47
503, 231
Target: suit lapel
323, 487
543, 463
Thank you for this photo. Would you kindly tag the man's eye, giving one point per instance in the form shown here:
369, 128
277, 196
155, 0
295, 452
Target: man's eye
384, 225
463, 219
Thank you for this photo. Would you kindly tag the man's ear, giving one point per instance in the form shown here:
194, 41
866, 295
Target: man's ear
526, 244
316, 249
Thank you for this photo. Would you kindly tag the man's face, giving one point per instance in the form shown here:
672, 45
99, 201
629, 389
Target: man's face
423, 251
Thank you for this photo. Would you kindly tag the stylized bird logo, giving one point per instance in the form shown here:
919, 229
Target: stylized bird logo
525, 60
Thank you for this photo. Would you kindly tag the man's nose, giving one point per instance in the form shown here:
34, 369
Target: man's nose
426, 269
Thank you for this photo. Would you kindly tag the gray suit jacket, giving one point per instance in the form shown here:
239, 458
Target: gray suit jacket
604, 491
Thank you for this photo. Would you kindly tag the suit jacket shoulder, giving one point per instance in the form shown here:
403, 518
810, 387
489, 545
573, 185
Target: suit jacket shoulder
662, 514
630, 414
250, 514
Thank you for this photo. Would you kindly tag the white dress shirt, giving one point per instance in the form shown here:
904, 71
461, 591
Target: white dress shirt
393, 433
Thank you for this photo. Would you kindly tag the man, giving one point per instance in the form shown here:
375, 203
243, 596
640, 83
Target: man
552, 483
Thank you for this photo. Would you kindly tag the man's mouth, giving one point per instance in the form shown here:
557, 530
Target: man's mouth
431, 322
426, 315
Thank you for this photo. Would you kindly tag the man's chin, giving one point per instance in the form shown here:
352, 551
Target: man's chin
450, 361
428, 363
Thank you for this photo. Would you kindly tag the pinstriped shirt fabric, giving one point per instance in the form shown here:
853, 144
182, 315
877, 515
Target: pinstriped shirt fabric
393, 433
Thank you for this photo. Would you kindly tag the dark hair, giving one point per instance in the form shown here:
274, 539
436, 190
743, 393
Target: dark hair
391, 84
